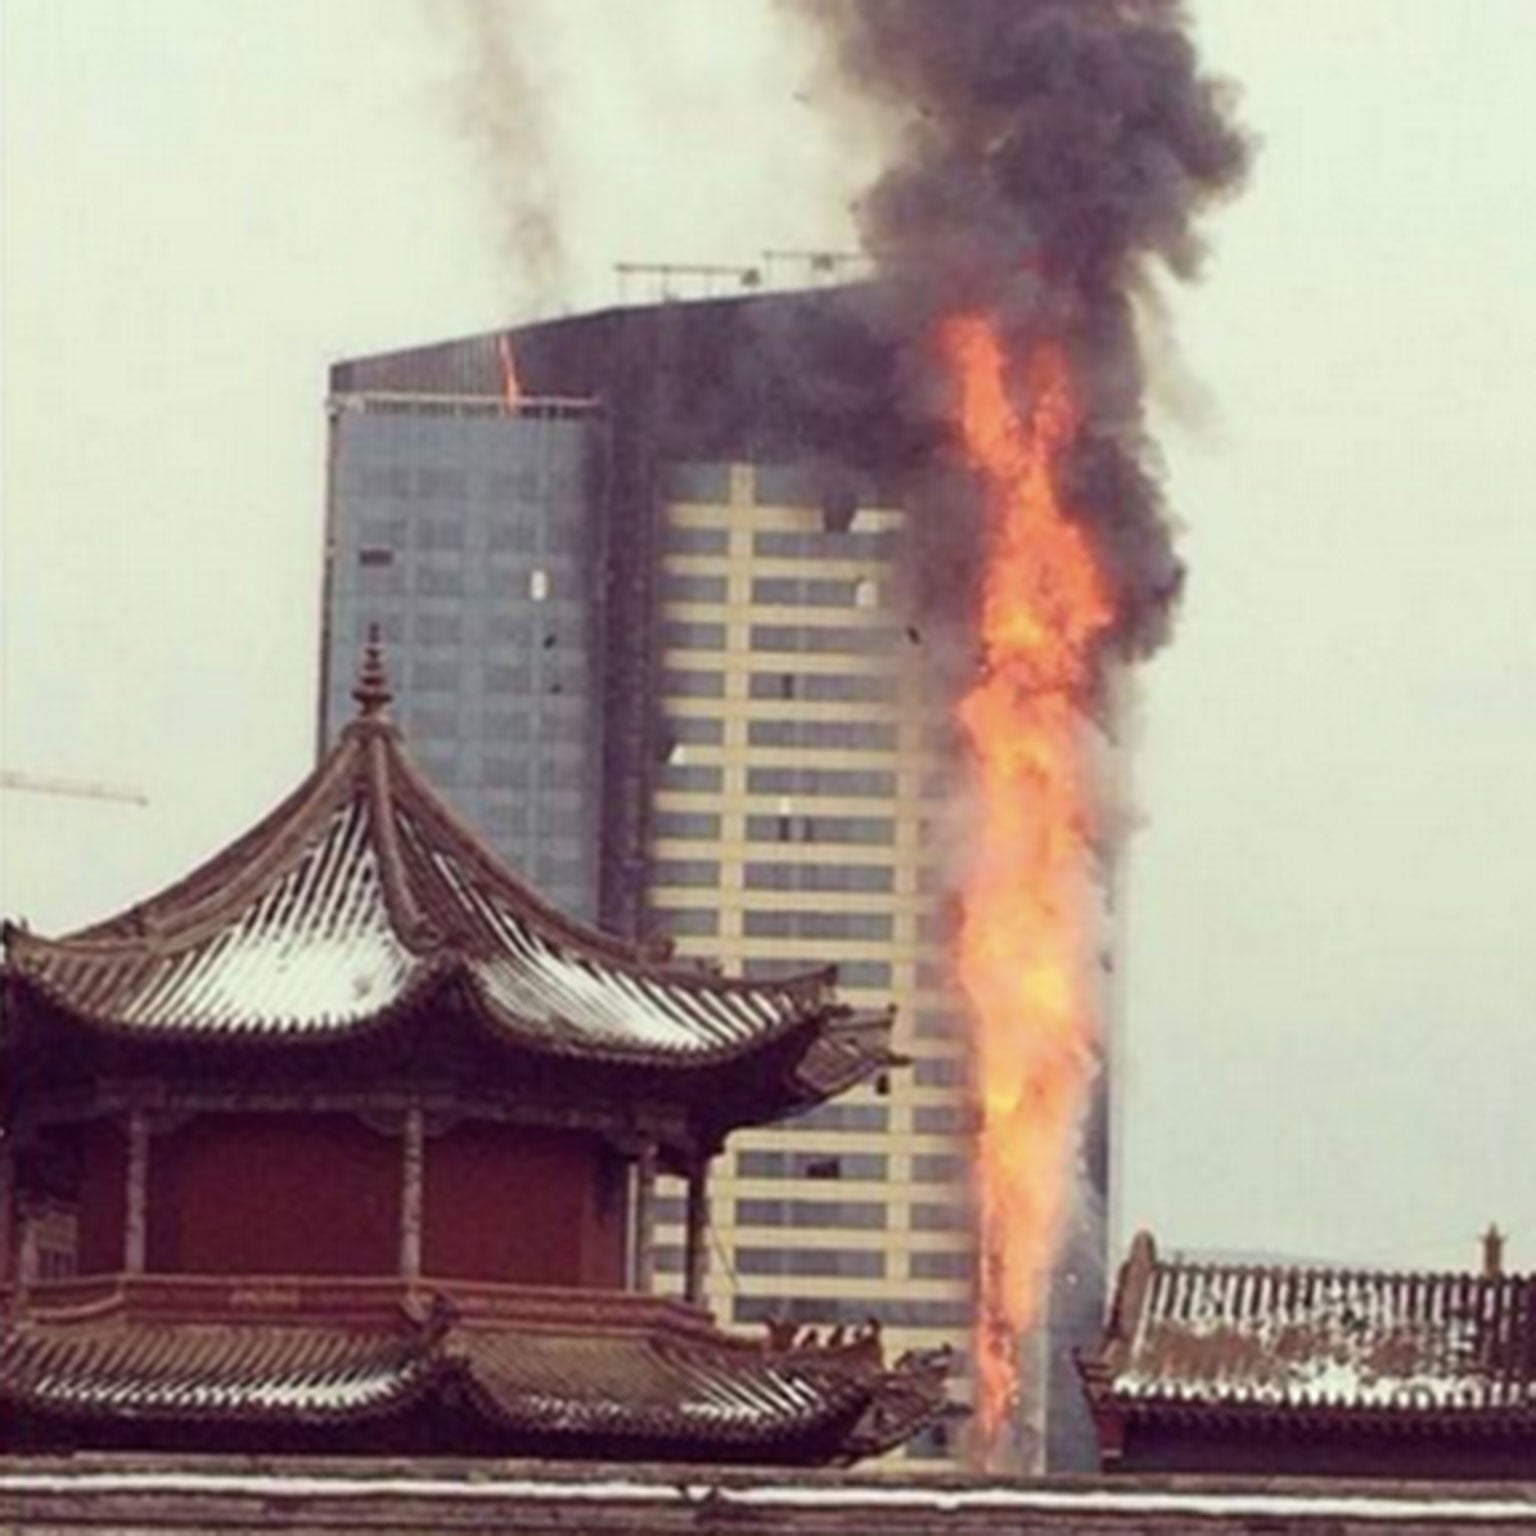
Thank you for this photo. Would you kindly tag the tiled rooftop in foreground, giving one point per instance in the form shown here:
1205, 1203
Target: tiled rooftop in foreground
1240, 1366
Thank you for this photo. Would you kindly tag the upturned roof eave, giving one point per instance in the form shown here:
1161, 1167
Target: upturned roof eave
825, 1403
418, 1005
261, 1034
1407, 1418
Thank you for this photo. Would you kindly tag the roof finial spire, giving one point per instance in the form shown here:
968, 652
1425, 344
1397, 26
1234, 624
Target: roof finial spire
372, 690
1493, 1252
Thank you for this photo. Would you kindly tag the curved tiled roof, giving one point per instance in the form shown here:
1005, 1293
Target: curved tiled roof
683, 1390
1378, 1346
362, 895
203, 1371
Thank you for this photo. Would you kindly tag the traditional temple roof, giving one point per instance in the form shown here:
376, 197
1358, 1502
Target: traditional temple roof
526, 1371
1379, 1350
363, 897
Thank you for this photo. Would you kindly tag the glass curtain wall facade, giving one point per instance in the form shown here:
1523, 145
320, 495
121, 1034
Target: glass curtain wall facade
467, 531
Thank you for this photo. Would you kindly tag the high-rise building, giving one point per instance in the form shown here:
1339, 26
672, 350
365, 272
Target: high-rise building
645, 564
790, 831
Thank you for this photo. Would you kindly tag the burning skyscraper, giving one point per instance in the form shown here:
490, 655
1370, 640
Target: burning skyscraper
645, 575
861, 571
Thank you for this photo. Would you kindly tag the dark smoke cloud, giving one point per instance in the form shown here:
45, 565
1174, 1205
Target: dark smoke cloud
499, 103
1046, 156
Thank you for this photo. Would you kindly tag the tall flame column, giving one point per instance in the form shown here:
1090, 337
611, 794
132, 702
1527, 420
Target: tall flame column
1024, 938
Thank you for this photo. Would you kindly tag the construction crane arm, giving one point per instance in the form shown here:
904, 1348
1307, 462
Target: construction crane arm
80, 789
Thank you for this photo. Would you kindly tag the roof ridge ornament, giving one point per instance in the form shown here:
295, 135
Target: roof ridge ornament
372, 690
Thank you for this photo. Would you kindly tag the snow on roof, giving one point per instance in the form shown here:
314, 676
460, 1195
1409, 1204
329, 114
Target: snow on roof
364, 893
1222, 1335
667, 1380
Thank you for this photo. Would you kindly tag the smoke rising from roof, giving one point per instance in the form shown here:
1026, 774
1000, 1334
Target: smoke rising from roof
1045, 156
499, 103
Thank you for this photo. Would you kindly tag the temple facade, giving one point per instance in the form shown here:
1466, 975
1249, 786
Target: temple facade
349, 1141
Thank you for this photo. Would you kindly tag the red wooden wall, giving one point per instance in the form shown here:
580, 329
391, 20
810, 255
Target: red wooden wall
274, 1195
103, 1197
320, 1195
527, 1206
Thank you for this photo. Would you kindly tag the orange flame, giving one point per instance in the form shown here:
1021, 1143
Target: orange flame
511, 388
1024, 937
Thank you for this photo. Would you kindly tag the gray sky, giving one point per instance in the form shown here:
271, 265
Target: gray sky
1330, 1031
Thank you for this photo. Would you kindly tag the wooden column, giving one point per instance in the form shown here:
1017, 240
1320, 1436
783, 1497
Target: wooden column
26, 1256
696, 1253
136, 1207
644, 1266
412, 1203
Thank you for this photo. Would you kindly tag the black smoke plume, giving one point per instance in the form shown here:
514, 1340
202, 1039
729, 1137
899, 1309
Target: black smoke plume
1046, 156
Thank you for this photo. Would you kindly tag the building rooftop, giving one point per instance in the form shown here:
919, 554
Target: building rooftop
1380, 1350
